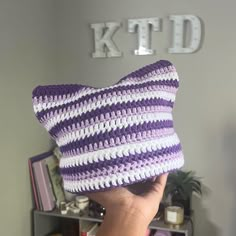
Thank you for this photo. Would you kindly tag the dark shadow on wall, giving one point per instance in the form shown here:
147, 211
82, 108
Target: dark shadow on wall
229, 155
203, 225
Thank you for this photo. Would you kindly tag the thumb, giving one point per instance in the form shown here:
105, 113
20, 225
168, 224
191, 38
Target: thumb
156, 191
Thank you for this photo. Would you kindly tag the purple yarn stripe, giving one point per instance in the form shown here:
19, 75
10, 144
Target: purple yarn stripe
134, 129
55, 131
161, 85
99, 95
119, 107
119, 161
49, 112
110, 116
162, 65
56, 90
130, 138
124, 168
115, 186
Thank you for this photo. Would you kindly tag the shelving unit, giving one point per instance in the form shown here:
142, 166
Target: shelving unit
46, 222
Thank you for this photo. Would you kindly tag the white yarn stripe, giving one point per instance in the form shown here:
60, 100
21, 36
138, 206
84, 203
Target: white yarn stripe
48, 124
112, 124
125, 177
97, 119
120, 151
64, 100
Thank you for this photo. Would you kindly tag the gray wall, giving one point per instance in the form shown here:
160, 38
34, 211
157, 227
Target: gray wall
27, 54
46, 42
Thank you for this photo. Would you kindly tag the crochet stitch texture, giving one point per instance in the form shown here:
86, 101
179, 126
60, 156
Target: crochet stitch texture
116, 135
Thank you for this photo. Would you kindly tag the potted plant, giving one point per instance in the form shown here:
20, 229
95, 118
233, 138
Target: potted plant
180, 187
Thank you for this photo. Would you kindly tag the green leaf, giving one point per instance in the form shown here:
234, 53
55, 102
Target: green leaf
184, 183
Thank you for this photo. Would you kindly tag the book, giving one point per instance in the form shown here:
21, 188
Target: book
88, 228
35, 193
33, 187
93, 230
70, 227
44, 185
52, 163
39, 198
162, 233
55, 234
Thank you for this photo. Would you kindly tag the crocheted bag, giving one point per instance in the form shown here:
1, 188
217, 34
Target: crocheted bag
116, 135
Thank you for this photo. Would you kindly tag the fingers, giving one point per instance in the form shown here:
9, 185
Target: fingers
153, 193
157, 189
162, 179
108, 197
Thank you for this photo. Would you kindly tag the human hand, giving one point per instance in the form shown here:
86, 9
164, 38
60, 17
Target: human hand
128, 213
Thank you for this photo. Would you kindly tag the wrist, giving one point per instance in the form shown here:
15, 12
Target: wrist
123, 221
130, 214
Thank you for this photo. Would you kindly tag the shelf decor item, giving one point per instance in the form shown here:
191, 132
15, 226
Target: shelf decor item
116, 135
180, 187
162, 233
82, 202
174, 215
96, 210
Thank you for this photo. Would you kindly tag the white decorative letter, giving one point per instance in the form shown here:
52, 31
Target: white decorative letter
143, 26
103, 37
178, 33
